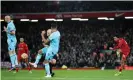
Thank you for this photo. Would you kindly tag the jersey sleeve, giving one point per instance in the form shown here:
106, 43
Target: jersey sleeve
54, 36
51, 37
119, 44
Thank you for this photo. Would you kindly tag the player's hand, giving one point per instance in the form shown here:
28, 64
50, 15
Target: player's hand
110, 48
5, 29
43, 32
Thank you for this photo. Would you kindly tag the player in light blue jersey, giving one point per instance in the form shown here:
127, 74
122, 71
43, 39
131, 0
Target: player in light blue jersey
53, 48
43, 52
11, 40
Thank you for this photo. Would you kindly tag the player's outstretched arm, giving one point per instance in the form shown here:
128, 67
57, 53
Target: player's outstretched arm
12, 32
5, 29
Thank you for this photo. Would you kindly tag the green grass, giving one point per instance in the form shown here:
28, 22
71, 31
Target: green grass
67, 75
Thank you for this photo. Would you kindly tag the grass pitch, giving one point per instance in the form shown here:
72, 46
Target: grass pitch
67, 75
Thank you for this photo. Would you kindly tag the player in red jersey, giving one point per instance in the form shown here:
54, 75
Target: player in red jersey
123, 48
23, 48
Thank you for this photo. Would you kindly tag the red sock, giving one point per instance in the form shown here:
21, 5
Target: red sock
29, 68
16, 69
120, 69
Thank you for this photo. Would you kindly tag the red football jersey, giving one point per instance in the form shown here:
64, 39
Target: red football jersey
22, 48
123, 45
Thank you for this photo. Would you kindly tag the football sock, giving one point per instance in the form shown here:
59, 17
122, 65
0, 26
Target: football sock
47, 68
38, 58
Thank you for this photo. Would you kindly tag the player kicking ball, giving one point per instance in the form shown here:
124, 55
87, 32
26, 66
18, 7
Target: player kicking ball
11, 40
122, 48
43, 52
23, 53
54, 40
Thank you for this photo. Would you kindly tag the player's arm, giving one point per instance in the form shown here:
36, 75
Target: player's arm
12, 31
44, 44
43, 38
118, 46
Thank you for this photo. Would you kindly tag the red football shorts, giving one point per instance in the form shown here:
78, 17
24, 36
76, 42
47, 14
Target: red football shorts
19, 57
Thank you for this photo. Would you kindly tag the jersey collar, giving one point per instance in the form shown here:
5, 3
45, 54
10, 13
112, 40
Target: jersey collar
9, 22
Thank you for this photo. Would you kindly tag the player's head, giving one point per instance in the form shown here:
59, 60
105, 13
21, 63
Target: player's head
116, 38
21, 39
7, 18
48, 32
53, 27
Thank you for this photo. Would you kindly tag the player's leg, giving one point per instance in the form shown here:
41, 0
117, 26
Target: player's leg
46, 62
16, 59
28, 65
49, 56
12, 54
47, 68
51, 64
122, 63
123, 60
19, 60
39, 55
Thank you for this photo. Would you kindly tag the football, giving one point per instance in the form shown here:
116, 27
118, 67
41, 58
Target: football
24, 56
53, 61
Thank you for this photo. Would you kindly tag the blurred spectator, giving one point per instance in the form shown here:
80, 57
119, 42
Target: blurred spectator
63, 6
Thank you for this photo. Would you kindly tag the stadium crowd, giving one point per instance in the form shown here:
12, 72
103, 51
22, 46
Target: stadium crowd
63, 6
82, 43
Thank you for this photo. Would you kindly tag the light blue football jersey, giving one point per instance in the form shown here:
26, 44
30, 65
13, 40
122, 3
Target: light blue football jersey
11, 39
11, 27
54, 40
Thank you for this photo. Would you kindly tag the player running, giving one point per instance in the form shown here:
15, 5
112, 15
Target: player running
23, 48
11, 40
123, 48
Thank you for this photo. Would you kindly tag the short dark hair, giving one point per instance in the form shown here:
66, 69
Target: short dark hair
116, 36
54, 26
